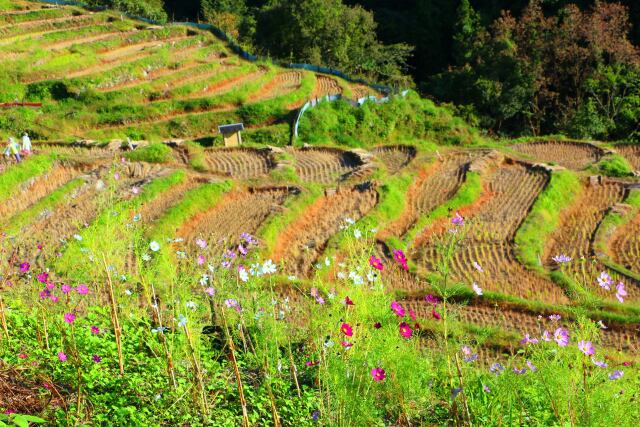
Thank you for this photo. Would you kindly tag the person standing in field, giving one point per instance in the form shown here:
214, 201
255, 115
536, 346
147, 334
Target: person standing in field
26, 144
14, 148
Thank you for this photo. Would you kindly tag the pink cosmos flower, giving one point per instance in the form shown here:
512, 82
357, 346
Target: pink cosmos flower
314, 292
24, 267
477, 289
457, 219
40, 246
405, 330
554, 317
62, 357
412, 314
310, 363
478, 267
436, 315
347, 301
587, 348
50, 286
561, 336
346, 345
210, 291
378, 374
95, 330
54, 298
22, 356
43, 277
432, 299
376, 263
202, 244
96, 358
401, 258
69, 318
620, 292
65, 288
397, 309
605, 281
546, 335
599, 363
82, 289
346, 329
201, 259
528, 340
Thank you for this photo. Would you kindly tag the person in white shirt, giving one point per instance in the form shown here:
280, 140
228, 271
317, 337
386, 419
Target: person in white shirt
26, 143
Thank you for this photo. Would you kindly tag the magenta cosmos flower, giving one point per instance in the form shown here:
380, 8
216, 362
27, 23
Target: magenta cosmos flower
561, 335
348, 301
457, 219
96, 358
82, 289
24, 267
43, 277
401, 258
405, 330
62, 357
346, 329
95, 330
432, 299
397, 309
376, 263
378, 374
69, 318
587, 348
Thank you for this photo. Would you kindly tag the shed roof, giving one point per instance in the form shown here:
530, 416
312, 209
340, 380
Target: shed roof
231, 128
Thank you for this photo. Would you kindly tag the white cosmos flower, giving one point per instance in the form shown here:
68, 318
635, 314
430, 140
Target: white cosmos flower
154, 246
268, 267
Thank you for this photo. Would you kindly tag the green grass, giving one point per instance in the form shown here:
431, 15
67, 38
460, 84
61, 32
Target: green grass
563, 188
17, 174
152, 153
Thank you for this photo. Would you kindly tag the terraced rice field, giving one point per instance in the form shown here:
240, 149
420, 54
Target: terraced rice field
324, 165
625, 245
302, 242
395, 158
631, 153
146, 82
572, 155
238, 212
239, 163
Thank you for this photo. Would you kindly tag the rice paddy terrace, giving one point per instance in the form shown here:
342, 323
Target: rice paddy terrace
101, 77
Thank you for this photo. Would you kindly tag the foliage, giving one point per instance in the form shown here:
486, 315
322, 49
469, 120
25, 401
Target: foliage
152, 153
150, 9
615, 165
400, 119
11, 179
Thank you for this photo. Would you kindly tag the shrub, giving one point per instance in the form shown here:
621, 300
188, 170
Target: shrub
153, 153
616, 166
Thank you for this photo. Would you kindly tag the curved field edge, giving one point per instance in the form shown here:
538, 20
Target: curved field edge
15, 175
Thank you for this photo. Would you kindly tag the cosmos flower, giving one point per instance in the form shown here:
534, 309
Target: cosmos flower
599, 363
95, 330
561, 259
561, 336
397, 309
268, 267
314, 292
377, 325
519, 371
210, 291
486, 388
605, 281
528, 340
496, 368
191, 305
376, 263
478, 267
24, 267
378, 374
96, 358
469, 356
347, 301
65, 288
346, 345
586, 347
431, 299
357, 233
69, 318
554, 317
436, 315
405, 330
310, 363
601, 325
477, 289
346, 329
201, 260
616, 375
43, 277
82, 289
154, 246
532, 367
412, 314
62, 357
243, 274
201, 243
620, 292
457, 219
546, 335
